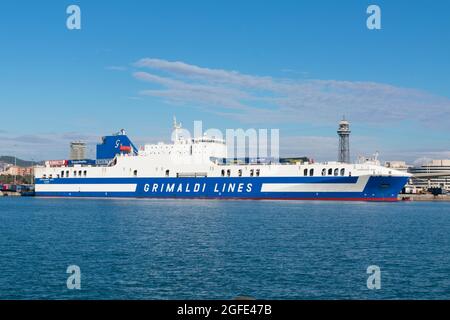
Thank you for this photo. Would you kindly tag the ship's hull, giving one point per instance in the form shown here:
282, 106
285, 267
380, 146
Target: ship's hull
362, 188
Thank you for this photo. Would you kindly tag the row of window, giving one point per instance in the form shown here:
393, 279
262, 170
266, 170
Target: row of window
253, 172
325, 172
66, 174
80, 173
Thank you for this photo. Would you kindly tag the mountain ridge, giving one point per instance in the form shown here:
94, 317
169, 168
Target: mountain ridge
19, 162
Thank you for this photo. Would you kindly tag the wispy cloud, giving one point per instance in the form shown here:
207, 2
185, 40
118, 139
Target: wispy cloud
45, 145
416, 157
29, 139
321, 148
252, 98
262, 99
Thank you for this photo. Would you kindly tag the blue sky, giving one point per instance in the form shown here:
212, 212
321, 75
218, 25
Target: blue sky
293, 65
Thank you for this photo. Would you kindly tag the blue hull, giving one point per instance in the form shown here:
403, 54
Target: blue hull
375, 188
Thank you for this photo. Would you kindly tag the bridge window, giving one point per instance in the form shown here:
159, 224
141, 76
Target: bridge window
330, 172
222, 173
85, 173
167, 173
324, 172
342, 172
257, 172
79, 173
62, 174
336, 171
251, 173
228, 173
305, 172
311, 172
240, 172
135, 173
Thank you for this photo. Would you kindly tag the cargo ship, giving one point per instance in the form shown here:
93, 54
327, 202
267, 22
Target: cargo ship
199, 168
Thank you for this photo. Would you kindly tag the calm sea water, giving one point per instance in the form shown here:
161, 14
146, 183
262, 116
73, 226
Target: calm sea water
189, 249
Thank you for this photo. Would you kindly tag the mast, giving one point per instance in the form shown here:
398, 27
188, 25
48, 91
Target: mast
176, 127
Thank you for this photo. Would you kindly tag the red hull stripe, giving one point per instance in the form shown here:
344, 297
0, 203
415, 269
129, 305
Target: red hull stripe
219, 198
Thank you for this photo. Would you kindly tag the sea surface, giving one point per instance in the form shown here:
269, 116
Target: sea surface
201, 249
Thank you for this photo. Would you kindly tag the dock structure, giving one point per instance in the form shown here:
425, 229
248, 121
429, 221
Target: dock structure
435, 173
16, 190
423, 197
10, 194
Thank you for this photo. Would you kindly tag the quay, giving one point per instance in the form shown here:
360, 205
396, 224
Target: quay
424, 197
13, 190
10, 194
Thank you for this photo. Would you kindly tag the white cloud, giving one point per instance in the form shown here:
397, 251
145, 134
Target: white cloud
45, 145
262, 99
320, 148
268, 99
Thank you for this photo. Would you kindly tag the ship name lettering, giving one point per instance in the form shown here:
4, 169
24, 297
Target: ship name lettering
227, 187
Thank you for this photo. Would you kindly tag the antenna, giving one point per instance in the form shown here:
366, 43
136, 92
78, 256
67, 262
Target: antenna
176, 127
175, 124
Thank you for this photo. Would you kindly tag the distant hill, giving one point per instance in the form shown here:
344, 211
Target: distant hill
19, 162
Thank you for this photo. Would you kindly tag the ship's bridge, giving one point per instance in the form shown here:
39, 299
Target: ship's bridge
203, 147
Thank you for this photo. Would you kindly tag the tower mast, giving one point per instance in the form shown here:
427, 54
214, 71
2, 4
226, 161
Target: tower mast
344, 143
